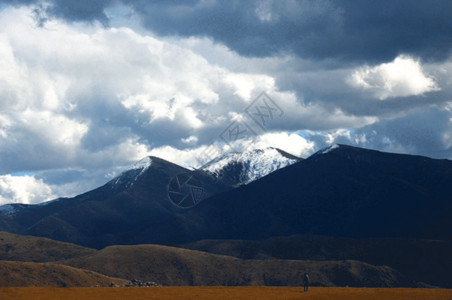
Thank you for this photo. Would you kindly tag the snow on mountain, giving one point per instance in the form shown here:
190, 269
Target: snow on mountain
12, 208
7, 209
328, 149
128, 177
142, 164
242, 168
331, 148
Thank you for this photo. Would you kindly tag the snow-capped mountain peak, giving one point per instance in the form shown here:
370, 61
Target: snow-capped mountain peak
239, 168
142, 164
128, 177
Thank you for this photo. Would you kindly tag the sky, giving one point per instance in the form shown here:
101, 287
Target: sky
87, 88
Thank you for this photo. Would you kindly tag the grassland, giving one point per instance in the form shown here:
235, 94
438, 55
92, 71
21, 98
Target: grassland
223, 293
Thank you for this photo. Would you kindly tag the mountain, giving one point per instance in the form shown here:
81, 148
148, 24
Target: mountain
341, 191
235, 168
123, 211
359, 198
146, 203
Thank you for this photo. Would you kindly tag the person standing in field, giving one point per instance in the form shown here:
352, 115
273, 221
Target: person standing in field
306, 282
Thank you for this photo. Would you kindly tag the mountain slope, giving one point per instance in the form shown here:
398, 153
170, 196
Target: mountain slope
242, 168
345, 191
123, 211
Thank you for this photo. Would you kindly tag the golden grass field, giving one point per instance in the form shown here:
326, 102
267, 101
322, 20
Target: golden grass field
220, 293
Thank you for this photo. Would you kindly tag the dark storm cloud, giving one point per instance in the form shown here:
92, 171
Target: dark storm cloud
374, 31
72, 10
345, 30
80, 10
18, 2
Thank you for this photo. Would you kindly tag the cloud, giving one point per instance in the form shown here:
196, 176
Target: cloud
94, 99
23, 189
289, 142
48, 185
343, 30
420, 131
81, 100
400, 78
93, 91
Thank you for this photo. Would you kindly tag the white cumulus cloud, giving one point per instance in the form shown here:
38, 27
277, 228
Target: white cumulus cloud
400, 78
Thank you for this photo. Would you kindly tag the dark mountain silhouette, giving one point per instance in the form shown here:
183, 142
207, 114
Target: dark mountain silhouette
129, 209
343, 191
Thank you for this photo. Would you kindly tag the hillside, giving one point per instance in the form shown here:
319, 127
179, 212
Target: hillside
35, 249
281, 261
48, 274
419, 260
182, 267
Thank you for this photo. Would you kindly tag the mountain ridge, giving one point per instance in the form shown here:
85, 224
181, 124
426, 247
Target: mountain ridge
349, 186
343, 192
45, 262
